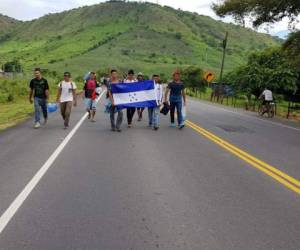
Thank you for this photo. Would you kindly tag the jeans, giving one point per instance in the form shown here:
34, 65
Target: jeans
119, 118
153, 114
130, 114
178, 106
40, 103
65, 109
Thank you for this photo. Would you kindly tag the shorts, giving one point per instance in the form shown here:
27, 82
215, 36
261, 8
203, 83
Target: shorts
90, 104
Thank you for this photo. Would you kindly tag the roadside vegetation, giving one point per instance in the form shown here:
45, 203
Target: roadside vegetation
276, 68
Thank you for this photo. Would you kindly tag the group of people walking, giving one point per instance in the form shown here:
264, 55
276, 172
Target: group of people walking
173, 98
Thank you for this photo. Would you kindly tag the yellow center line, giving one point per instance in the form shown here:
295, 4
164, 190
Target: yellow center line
281, 177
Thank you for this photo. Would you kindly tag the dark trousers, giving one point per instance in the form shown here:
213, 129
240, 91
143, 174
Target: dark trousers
140, 112
130, 114
178, 107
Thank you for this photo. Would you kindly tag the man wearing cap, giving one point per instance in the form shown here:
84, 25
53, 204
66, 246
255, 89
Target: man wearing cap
140, 111
130, 111
177, 93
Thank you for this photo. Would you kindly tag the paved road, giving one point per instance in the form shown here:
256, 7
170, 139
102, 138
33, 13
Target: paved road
142, 189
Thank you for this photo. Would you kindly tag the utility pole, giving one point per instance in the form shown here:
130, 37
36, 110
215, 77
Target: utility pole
223, 59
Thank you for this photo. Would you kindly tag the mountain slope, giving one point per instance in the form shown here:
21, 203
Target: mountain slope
143, 36
7, 23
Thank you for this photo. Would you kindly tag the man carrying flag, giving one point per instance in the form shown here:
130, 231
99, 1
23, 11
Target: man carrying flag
113, 109
131, 110
134, 95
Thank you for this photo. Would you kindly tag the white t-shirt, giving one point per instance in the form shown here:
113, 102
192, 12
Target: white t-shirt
268, 95
67, 91
159, 92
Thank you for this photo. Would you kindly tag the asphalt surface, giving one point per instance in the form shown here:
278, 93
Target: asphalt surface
142, 189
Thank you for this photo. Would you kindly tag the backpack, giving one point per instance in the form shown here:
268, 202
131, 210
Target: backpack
72, 86
90, 88
91, 85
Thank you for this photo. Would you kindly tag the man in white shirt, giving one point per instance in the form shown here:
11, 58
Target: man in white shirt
154, 112
267, 95
66, 96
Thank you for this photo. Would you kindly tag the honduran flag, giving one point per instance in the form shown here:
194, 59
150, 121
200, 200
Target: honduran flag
134, 95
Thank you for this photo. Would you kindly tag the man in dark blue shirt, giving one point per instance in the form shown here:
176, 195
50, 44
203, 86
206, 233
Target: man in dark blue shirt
177, 94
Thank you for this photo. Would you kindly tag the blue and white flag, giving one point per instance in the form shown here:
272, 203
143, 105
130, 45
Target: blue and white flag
134, 95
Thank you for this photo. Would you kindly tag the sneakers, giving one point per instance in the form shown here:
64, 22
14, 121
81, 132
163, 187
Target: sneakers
173, 125
181, 126
37, 125
156, 128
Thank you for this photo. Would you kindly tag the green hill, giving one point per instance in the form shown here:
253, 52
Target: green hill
143, 36
7, 23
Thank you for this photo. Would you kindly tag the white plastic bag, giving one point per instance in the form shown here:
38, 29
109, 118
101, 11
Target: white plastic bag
183, 111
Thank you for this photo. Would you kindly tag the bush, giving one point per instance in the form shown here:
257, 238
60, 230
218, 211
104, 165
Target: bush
193, 78
178, 35
10, 97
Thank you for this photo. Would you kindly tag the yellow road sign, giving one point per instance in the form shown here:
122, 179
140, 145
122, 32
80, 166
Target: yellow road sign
209, 76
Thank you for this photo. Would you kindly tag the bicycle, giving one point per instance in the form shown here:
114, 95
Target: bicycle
267, 108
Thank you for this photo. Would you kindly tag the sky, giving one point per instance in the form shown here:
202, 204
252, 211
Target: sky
31, 9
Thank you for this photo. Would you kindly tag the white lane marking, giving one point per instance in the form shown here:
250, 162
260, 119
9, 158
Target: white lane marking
249, 116
17, 203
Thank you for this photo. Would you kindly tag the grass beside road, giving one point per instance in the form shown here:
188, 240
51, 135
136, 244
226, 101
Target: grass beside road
13, 113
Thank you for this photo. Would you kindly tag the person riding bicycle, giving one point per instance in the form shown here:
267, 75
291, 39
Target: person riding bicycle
267, 98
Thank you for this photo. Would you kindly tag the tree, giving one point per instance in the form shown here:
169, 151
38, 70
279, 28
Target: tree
292, 49
270, 69
266, 11
193, 78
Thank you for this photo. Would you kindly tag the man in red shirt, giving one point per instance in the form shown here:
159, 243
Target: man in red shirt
90, 95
